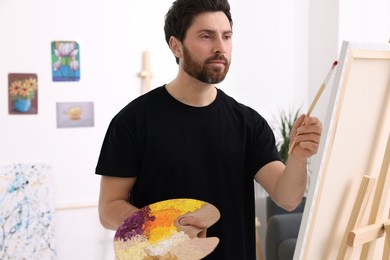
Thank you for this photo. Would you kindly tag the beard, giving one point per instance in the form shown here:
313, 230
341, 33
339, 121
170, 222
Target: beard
203, 71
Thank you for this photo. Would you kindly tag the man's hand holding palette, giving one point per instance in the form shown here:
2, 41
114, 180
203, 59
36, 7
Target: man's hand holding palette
168, 230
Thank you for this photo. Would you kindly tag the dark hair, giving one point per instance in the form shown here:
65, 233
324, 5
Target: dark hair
182, 12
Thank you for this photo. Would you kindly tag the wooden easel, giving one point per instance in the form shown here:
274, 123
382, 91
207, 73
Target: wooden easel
367, 236
259, 251
146, 73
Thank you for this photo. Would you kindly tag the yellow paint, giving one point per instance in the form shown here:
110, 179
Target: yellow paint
184, 205
165, 213
158, 231
136, 251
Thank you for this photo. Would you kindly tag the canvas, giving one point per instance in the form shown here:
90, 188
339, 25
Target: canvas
26, 212
355, 135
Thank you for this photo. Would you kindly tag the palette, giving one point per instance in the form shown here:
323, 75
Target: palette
155, 232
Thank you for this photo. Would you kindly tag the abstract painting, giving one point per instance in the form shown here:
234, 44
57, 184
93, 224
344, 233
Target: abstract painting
26, 212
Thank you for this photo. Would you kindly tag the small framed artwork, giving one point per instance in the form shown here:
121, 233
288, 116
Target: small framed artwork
75, 114
22, 93
65, 56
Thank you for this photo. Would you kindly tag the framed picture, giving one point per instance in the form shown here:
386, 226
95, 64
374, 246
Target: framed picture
22, 93
65, 56
75, 114
355, 134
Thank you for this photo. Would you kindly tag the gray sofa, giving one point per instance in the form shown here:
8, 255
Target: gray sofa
282, 231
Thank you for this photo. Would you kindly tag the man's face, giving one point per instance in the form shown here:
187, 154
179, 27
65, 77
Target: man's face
206, 52
212, 70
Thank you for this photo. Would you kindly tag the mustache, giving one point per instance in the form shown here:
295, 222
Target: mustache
218, 56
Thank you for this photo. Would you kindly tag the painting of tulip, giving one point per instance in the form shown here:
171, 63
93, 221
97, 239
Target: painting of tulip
65, 60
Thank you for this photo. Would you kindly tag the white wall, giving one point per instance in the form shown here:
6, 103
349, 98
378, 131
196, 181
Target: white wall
270, 59
335, 21
331, 23
270, 71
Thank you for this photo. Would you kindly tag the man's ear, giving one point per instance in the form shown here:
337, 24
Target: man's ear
175, 46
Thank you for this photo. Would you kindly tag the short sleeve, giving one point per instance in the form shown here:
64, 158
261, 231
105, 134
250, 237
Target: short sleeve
265, 145
118, 155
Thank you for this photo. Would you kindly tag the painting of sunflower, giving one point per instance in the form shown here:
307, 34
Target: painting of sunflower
22, 93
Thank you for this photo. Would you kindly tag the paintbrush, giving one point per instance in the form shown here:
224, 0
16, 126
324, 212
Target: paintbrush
319, 92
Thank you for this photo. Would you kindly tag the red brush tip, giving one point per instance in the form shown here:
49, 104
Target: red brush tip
334, 64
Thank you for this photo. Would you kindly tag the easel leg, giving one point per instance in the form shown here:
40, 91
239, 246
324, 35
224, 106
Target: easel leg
360, 203
259, 251
379, 202
386, 250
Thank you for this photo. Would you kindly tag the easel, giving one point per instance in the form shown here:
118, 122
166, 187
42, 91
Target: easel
377, 227
146, 73
259, 251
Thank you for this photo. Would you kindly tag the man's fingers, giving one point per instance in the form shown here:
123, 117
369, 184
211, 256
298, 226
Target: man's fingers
312, 127
192, 221
192, 226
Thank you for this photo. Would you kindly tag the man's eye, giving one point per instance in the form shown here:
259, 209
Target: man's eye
227, 36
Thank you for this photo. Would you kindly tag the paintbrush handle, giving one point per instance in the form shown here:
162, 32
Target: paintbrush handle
316, 98
293, 143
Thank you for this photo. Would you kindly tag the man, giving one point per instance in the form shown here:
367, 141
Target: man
188, 139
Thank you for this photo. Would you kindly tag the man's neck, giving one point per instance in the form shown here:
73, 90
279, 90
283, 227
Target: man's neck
191, 91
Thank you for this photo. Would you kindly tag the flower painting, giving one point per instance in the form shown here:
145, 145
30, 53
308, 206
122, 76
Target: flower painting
22, 93
65, 56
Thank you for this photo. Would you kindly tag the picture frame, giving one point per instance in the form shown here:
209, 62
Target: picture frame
75, 114
65, 59
22, 94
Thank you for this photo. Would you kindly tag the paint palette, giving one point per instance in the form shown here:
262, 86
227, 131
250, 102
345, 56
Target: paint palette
154, 232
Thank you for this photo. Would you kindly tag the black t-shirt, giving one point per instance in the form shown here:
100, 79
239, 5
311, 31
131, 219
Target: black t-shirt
207, 153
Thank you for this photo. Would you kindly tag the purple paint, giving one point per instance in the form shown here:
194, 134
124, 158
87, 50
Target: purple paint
132, 226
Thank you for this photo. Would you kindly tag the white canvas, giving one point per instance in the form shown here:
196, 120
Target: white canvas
355, 135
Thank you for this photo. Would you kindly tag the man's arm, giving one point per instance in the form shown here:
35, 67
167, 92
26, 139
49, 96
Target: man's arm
114, 207
286, 183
